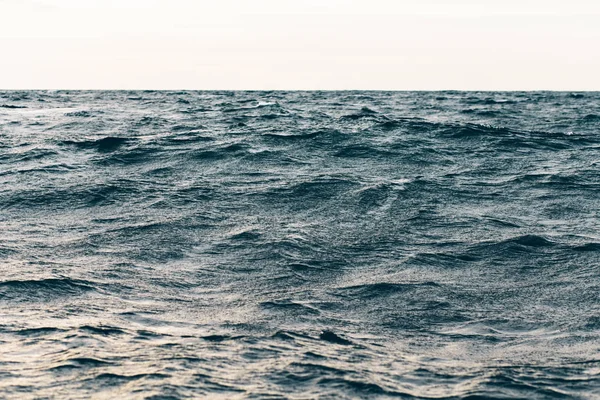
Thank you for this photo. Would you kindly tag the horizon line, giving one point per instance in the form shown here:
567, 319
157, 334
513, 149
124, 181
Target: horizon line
298, 90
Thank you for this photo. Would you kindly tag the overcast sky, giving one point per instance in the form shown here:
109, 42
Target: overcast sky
300, 44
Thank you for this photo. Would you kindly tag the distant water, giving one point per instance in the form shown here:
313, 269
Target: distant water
168, 245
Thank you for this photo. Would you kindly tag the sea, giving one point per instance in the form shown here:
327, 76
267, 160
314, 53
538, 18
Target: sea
299, 245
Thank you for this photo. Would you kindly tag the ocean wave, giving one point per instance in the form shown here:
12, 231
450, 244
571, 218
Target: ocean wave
221, 152
529, 241
30, 155
38, 332
591, 247
101, 330
376, 290
106, 144
70, 197
289, 308
80, 114
185, 244
44, 289
482, 113
11, 106
188, 128
363, 151
363, 113
467, 131
320, 189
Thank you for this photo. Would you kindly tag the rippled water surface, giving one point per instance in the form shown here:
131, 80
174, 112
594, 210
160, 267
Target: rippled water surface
167, 245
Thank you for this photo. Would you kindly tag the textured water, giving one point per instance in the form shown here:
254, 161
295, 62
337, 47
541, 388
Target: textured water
168, 245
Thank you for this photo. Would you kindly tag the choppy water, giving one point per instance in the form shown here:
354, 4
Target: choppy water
168, 245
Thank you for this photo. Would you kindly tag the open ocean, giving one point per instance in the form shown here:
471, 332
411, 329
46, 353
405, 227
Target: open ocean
300, 245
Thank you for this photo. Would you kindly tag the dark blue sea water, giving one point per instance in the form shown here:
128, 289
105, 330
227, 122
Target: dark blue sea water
172, 245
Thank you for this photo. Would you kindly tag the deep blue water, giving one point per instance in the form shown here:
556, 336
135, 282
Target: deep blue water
170, 245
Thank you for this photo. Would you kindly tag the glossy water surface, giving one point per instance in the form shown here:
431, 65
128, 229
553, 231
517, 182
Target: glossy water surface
167, 245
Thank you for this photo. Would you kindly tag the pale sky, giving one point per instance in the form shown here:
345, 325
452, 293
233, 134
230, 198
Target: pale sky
300, 44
